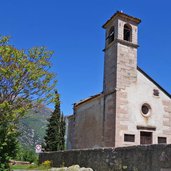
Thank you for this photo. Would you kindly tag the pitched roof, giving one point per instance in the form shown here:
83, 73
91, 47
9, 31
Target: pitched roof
121, 14
147, 76
87, 99
140, 70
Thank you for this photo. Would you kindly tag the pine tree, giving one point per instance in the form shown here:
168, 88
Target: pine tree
55, 133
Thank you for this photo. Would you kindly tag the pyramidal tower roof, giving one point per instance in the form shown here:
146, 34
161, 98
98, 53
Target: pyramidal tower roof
120, 14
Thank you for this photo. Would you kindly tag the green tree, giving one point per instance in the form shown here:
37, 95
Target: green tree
8, 144
62, 133
25, 82
55, 133
26, 154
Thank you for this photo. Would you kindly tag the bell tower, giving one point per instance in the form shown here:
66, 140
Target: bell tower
121, 43
120, 70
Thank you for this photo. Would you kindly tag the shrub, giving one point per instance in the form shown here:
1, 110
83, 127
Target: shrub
26, 155
47, 164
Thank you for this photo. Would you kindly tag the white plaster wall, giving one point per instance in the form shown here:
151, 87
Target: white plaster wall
89, 123
137, 94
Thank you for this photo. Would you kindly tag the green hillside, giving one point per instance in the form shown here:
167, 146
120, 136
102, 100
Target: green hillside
33, 126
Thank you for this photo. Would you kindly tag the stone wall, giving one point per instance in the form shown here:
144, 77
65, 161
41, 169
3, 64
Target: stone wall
135, 158
167, 118
70, 132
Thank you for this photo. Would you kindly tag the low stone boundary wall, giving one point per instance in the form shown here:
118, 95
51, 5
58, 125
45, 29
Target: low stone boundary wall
14, 162
134, 158
71, 168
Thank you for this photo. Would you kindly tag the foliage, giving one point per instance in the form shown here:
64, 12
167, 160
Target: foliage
54, 139
25, 82
47, 164
8, 144
25, 154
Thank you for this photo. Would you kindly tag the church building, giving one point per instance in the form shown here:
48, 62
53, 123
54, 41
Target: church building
132, 109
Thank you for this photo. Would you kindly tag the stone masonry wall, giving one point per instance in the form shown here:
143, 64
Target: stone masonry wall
126, 76
109, 120
135, 158
167, 117
70, 132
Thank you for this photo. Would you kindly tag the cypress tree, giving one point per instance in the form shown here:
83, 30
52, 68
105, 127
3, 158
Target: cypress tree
54, 138
62, 132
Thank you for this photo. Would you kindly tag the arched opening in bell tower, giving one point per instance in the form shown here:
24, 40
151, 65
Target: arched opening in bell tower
127, 32
111, 35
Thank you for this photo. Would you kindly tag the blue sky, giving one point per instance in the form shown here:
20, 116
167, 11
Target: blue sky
72, 29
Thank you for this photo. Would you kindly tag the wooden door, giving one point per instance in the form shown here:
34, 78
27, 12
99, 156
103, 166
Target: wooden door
145, 137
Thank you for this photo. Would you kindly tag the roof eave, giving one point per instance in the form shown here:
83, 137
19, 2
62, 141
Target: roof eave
152, 80
121, 14
86, 100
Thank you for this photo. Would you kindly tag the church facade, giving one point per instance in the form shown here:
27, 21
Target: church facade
132, 108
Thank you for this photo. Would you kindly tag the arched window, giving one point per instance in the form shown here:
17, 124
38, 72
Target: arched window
127, 32
111, 35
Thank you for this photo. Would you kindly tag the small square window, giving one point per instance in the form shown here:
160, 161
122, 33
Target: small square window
129, 138
162, 140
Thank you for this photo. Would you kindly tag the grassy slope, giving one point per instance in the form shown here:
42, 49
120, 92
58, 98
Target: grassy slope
28, 167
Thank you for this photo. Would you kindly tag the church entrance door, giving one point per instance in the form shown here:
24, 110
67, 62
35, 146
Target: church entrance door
145, 137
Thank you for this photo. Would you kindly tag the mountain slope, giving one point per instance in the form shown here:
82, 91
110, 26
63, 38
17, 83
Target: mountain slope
33, 127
